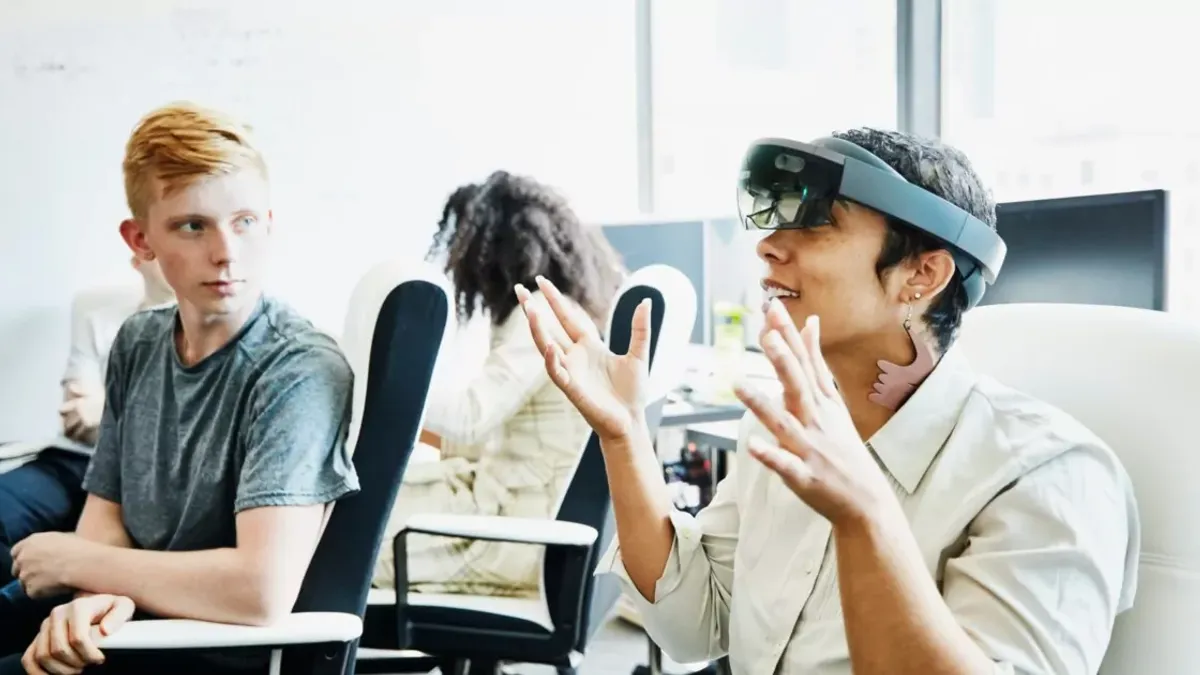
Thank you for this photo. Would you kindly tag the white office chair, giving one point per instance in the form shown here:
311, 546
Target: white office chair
394, 328
555, 627
1133, 377
119, 300
669, 364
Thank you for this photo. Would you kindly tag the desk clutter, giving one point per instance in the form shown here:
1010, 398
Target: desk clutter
709, 375
691, 481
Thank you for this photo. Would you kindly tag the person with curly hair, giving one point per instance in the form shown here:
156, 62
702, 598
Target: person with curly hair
509, 439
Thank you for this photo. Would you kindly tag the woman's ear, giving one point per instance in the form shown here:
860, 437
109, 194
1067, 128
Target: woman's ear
929, 274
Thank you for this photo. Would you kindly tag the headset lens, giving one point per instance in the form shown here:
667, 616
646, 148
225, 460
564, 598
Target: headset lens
765, 209
782, 189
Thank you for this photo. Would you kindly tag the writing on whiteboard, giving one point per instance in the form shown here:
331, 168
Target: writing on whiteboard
182, 40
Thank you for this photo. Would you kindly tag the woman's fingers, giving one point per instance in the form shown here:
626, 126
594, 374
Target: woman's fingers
639, 336
797, 398
824, 376
556, 366
544, 328
795, 473
568, 317
780, 320
786, 429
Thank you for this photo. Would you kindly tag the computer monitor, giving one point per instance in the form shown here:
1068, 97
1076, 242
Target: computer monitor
680, 244
1106, 249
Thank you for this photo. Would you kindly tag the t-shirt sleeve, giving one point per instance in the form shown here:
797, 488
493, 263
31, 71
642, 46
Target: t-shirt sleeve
103, 477
296, 452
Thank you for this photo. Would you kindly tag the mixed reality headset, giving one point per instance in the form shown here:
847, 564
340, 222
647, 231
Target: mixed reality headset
786, 184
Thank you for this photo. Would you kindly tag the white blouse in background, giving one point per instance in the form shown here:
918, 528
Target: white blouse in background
508, 416
1026, 521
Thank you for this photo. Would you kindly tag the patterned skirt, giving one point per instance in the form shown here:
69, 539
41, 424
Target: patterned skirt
453, 565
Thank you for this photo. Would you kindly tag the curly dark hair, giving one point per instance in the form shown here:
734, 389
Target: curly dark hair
509, 230
946, 172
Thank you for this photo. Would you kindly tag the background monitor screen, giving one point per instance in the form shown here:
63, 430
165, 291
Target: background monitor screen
1097, 249
680, 244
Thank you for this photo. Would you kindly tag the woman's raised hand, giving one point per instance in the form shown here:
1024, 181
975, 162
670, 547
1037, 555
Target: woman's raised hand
608, 389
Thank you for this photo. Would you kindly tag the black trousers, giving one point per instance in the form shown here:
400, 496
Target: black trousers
44, 495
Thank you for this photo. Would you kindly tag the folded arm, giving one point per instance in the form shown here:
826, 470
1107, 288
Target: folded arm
101, 522
295, 465
254, 583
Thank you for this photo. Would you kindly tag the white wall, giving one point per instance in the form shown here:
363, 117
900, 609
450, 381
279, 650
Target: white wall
370, 113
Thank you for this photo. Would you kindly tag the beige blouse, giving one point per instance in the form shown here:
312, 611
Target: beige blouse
511, 420
1027, 522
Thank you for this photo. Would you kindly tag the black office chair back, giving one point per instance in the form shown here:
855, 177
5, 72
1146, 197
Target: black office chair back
404, 347
587, 500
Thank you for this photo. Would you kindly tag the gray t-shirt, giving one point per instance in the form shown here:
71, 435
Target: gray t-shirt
261, 422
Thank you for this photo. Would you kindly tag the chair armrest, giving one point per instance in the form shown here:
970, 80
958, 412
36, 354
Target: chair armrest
296, 629
503, 528
570, 543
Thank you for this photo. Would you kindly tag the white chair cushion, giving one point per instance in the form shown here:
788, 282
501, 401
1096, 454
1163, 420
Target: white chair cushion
381, 596
532, 610
370, 653
1132, 377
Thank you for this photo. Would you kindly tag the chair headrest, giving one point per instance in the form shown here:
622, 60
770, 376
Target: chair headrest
101, 297
679, 316
362, 311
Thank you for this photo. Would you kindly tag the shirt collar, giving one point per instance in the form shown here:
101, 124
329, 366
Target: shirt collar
910, 440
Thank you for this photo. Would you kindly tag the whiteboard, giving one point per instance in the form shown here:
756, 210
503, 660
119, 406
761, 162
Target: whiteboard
369, 113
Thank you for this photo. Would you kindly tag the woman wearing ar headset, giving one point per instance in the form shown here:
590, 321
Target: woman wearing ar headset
900, 513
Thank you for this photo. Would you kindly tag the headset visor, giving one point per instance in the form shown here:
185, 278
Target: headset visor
783, 188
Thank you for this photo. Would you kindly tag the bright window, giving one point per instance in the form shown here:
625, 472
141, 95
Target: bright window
1053, 99
728, 71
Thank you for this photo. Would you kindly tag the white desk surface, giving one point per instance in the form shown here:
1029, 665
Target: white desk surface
719, 429
701, 360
